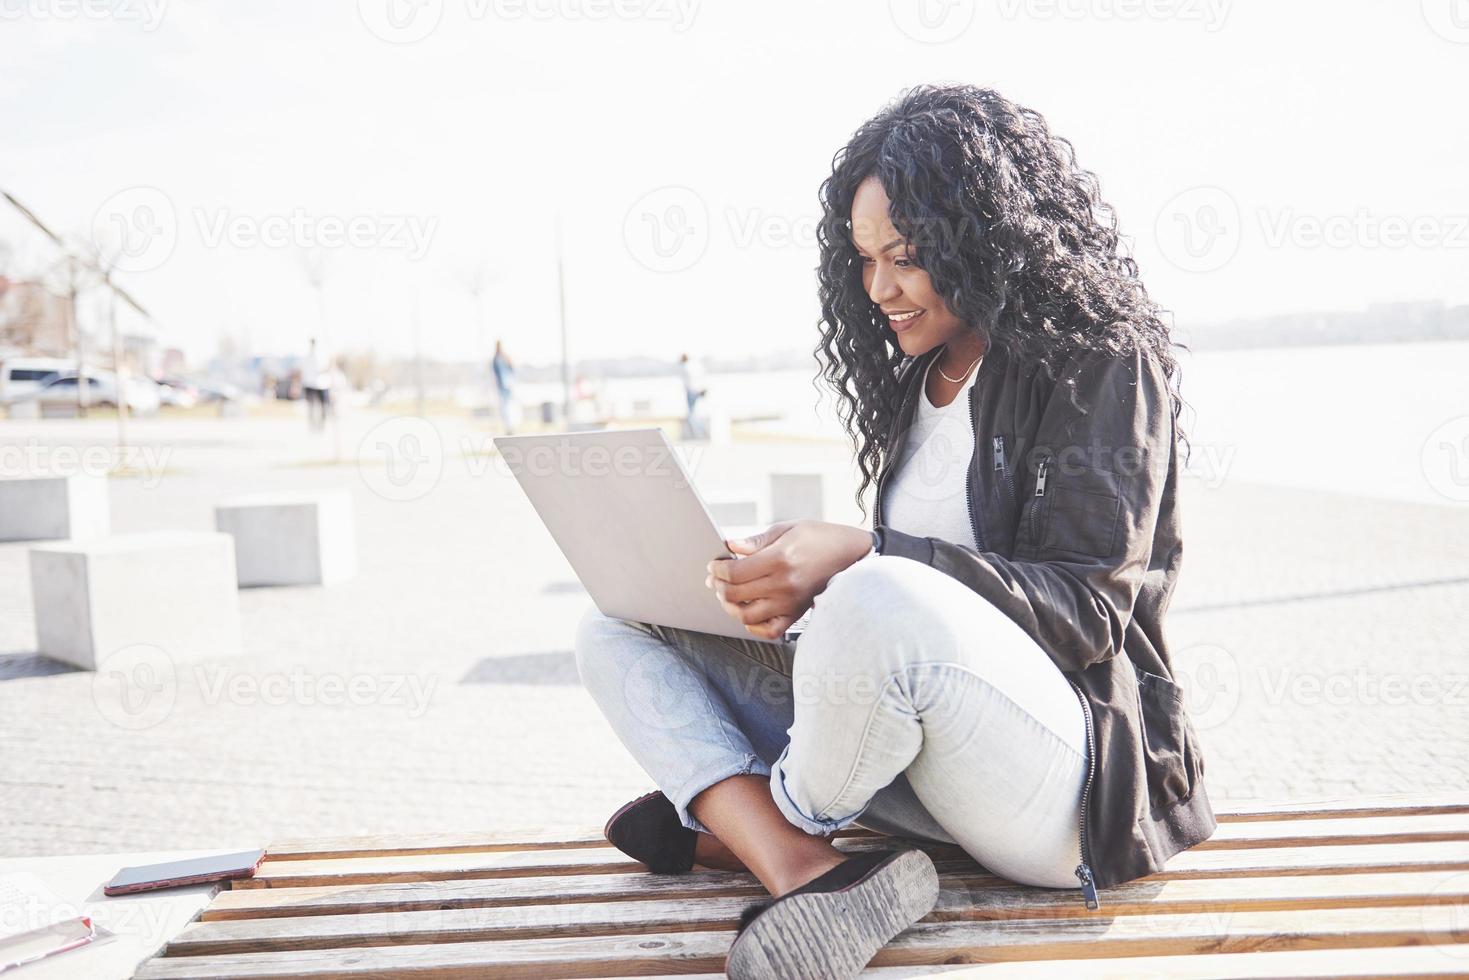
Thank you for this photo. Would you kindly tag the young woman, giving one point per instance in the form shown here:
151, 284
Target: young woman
987, 666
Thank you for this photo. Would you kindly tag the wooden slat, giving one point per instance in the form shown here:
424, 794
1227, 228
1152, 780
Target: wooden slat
1396, 961
926, 943
960, 899
251, 903
1233, 811
440, 867
488, 864
1343, 859
541, 838
532, 839
1156, 895
1397, 829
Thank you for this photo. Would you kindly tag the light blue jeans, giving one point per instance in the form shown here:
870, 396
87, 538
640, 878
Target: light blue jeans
910, 706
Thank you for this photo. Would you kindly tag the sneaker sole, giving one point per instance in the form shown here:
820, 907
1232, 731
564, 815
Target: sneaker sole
834, 935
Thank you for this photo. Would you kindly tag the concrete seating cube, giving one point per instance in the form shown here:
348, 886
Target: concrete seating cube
49, 507
797, 496
291, 538
174, 590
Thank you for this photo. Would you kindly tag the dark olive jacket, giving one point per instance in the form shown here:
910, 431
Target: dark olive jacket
1072, 494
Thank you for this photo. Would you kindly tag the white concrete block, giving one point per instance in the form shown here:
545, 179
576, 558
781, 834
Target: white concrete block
291, 538
174, 590
798, 496
44, 508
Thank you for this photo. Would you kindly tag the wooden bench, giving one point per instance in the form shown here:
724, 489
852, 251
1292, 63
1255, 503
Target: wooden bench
1329, 888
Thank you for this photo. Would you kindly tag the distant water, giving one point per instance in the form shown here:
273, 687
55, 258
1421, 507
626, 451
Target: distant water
1358, 419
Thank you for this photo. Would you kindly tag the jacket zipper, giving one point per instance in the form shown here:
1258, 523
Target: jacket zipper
1035, 509
968, 479
1002, 469
1084, 869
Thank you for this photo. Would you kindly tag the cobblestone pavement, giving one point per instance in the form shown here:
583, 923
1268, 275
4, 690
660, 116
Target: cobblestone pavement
1321, 637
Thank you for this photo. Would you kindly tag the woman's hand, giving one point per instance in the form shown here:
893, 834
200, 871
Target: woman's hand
778, 572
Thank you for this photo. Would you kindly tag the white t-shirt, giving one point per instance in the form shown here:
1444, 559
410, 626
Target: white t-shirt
926, 494
316, 370
693, 376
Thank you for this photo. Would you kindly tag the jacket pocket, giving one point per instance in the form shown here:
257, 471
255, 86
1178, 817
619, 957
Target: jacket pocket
1165, 740
1082, 522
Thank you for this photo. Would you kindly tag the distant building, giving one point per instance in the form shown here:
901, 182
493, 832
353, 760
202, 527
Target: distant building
32, 319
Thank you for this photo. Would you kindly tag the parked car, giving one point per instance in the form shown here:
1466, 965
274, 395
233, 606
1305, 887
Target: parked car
177, 393
23, 376
142, 394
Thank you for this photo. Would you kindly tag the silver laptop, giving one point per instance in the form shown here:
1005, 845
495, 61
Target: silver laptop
624, 511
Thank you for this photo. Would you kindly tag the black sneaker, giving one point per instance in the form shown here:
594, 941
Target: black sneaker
648, 830
831, 927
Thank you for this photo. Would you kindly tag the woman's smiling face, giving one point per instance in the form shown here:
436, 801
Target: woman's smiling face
915, 311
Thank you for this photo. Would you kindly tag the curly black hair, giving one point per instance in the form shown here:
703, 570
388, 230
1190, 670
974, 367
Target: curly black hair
1010, 229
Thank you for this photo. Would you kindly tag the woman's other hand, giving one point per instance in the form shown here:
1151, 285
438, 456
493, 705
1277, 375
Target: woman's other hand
777, 573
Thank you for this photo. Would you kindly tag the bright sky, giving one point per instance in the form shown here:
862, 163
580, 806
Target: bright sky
1262, 156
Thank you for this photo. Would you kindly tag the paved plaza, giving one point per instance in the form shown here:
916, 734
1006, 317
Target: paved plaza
1321, 636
